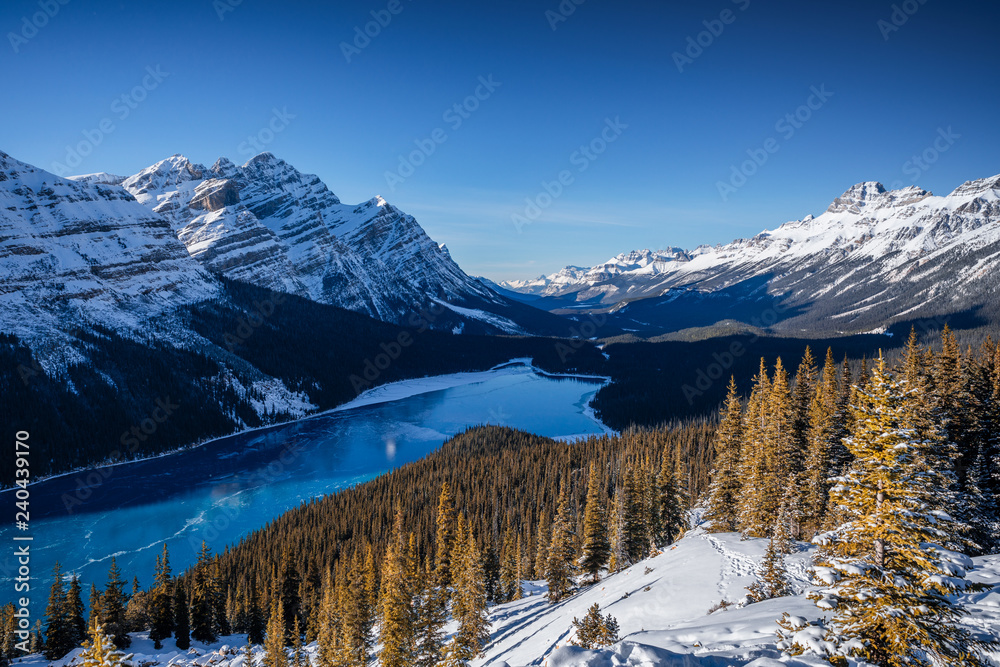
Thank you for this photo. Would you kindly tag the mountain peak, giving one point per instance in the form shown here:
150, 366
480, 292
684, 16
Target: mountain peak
857, 196
977, 187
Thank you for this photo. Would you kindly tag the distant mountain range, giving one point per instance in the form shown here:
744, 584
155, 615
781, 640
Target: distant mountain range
873, 258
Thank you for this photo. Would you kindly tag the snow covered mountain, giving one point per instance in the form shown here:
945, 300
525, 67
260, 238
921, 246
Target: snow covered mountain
84, 254
872, 257
269, 224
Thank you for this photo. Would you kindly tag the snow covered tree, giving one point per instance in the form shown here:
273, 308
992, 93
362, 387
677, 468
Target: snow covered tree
724, 491
100, 651
596, 545
888, 573
773, 579
595, 630
561, 564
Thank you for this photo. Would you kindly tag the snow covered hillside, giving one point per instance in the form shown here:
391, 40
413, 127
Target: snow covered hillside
872, 256
662, 605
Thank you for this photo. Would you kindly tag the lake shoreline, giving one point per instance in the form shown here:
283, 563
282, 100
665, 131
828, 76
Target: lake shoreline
385, 393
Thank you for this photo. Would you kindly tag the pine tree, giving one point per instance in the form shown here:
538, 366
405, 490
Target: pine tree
445, 537
431, 616
161, 611
724, 491
37, 643
395, 611
470, 600
596, 544
618, 559
561, 565
773, 579
821, 435
256, 623
783, 456
100, 651
113, 608
329, 621
595, 630
288, 584
752, 507
672, 503
60, 634
636, 528
74, 605
248, 659
356, 612
510, 578
182, 619
889, 575
274, 643
202, 598
298, 653
94, 616
544, 538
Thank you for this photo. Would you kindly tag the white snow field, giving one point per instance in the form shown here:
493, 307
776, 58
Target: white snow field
662, 606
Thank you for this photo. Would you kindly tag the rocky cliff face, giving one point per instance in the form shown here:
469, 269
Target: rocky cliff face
267, 223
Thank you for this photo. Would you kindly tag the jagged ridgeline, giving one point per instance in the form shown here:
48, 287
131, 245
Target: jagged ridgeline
506, 483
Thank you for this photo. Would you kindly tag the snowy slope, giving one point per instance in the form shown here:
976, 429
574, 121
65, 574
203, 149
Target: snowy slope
871, 256
662, 605
79, 254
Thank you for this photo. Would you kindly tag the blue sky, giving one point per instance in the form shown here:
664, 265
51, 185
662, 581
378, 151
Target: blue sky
201, 85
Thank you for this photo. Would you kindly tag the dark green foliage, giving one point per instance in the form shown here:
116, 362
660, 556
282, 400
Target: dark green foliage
595, 630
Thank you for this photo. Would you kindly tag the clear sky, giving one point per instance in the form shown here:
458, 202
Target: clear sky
201, 77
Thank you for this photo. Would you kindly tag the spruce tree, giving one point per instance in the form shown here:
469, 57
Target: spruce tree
889, 574
544, 538
635, 526
561, 564
274, 642
595, 630
113, 604
672, 503
256, 623
431, 616
329, 620
100, 651
94, 615
618, 558
772, 581
445, 537
821, 434
510, 582
596, 542
182, 618
60, 634
74, 605
357, 616
470, 601
203, 598
395, 610
752, 514
299, 658
724, 491
161, 611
